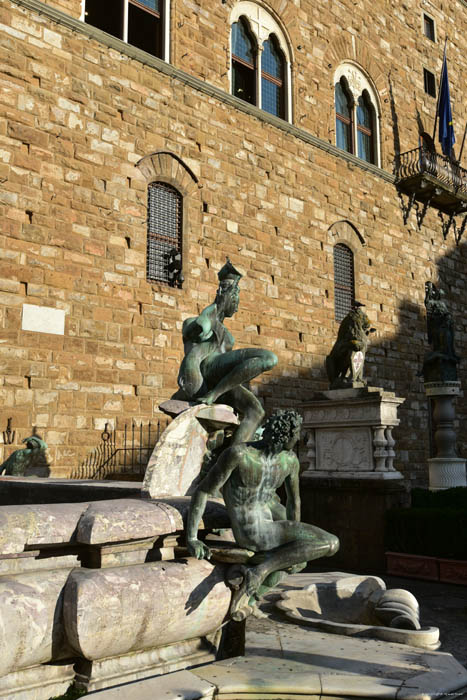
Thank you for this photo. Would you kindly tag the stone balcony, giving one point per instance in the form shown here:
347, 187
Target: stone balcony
432, 179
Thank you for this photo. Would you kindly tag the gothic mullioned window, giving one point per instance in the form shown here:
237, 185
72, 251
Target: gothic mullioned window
272, 77
344, 123
344, 281
260, 68
357, 113
141, 23
243, 62
164, 236
365, 128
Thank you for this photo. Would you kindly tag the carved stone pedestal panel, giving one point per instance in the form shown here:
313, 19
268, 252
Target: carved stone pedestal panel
348, 433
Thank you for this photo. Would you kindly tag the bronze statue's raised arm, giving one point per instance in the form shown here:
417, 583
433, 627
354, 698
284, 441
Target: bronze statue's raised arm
200, 328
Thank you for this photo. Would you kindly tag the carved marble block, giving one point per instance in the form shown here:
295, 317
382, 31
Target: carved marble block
348, 433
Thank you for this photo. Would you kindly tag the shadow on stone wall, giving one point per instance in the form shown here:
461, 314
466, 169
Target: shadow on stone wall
393, 362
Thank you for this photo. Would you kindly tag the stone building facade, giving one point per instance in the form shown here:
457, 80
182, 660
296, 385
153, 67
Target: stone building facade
89, 121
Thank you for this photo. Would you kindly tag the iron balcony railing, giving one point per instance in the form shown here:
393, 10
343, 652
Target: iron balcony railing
423, 161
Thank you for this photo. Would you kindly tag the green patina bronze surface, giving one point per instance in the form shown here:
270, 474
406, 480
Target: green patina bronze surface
440, 364
249, 476
29, 456
211, 371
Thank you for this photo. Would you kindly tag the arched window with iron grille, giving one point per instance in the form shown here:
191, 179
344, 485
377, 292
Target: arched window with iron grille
344, 281
164, 235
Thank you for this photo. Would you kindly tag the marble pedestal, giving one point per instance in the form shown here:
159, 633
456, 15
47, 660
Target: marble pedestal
348, 433
349, 478
445, 470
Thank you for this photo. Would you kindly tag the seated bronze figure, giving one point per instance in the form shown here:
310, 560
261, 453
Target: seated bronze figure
249, 476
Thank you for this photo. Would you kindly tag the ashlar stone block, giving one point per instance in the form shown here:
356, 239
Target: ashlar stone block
176, 601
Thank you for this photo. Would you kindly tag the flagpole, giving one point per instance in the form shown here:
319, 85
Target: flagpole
462, 147
439, 89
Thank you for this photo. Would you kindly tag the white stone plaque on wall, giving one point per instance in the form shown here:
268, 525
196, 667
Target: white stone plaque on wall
43, 319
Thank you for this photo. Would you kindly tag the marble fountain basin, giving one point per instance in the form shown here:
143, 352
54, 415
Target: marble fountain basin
358, 606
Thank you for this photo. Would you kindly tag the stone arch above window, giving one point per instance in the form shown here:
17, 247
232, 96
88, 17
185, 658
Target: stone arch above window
346, 242
170, 182
271, 84
168, 167
358, 131
345, 232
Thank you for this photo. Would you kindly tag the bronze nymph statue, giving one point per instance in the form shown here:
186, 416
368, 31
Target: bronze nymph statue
211, 371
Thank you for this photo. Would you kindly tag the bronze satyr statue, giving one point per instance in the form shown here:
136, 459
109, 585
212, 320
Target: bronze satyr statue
211, 371
249, 475
30, 456
440, 364
344, 364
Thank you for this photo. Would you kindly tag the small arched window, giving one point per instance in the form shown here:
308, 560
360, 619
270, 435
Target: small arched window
344, 281
261, 59
344, 126
243, 62
164, 235
272, 78
357, 111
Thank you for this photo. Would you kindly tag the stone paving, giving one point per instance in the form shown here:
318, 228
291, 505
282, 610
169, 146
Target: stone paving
284, 660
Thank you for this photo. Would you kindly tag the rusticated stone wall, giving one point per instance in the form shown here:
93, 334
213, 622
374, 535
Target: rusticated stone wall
78, 112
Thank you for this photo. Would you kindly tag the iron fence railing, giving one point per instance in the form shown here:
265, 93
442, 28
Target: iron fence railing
421, 160
126, 451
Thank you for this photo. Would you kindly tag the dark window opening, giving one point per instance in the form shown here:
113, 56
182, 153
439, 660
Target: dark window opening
164, 242
429, 27
344, 127
243, 63
144, 22
97, 13
344, 283
145, 27
429, 83
365, 129
272, 78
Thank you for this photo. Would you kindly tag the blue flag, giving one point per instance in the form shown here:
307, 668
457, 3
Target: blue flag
446, 130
